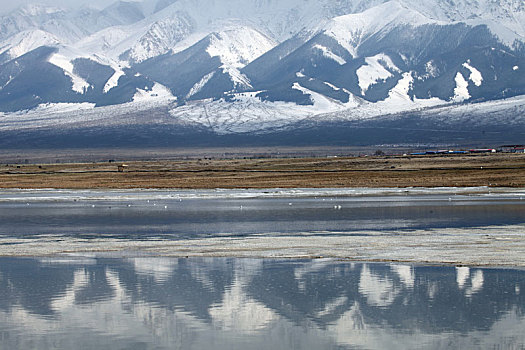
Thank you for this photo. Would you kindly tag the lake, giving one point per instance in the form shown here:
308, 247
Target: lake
258, 269
230, 303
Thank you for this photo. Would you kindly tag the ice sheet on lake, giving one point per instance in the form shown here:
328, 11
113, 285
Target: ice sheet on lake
48, 195
481, 246
497, 245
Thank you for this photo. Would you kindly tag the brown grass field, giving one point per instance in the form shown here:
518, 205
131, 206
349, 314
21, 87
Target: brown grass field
494, 170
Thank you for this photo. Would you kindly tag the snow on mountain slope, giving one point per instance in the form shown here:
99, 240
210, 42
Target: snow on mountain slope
353, 29
125, 12
68, 26
27, 17
256, 116
282, 19
65, 58
377, 68
350, 54
139, 41
24, 42
113, 81
61, 61
461, 90
236, 47
508, 112
248, 113
475, 75
156, 32
38, 10
65, 116
157, 92
160, 38
103, 42
197, 87
329, 54
506, 18
279, 18
322, 104
210, 67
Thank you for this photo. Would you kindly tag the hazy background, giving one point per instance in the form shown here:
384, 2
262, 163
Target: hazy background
9, 5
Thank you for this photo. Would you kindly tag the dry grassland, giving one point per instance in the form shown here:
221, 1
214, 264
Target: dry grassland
495, 170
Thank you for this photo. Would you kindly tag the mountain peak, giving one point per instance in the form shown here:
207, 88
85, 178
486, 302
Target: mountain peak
237, 46
352, 29
35, 10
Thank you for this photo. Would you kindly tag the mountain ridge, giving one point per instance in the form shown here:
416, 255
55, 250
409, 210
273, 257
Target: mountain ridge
278, 61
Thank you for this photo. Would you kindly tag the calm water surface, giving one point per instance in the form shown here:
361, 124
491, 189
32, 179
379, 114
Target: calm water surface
161, 303
137, 301
181, 215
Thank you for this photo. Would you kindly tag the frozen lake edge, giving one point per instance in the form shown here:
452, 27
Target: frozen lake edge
496, 245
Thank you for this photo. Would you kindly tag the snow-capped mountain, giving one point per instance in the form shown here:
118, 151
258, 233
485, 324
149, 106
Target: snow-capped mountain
69, 26
354, 55
63, 75
211, 67
24, 42
216, 63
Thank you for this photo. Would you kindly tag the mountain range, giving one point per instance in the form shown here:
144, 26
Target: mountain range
257, 66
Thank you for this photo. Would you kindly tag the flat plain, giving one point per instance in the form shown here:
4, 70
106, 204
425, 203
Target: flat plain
493, 170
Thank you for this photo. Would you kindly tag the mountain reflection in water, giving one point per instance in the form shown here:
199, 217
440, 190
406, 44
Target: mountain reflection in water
162, 303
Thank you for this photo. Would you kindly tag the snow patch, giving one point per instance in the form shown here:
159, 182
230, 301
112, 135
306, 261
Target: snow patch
399, 94
515, 68
475, 75
237, 77
113, 81
321, 102
461, 91
300, 75
431, 69
7, 83
63, 107
332, 86
79, 84
398, 101
329, 54
200, 84
375, 70
157, 92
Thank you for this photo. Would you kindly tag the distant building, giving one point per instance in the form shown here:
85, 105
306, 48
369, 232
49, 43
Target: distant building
513, 148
